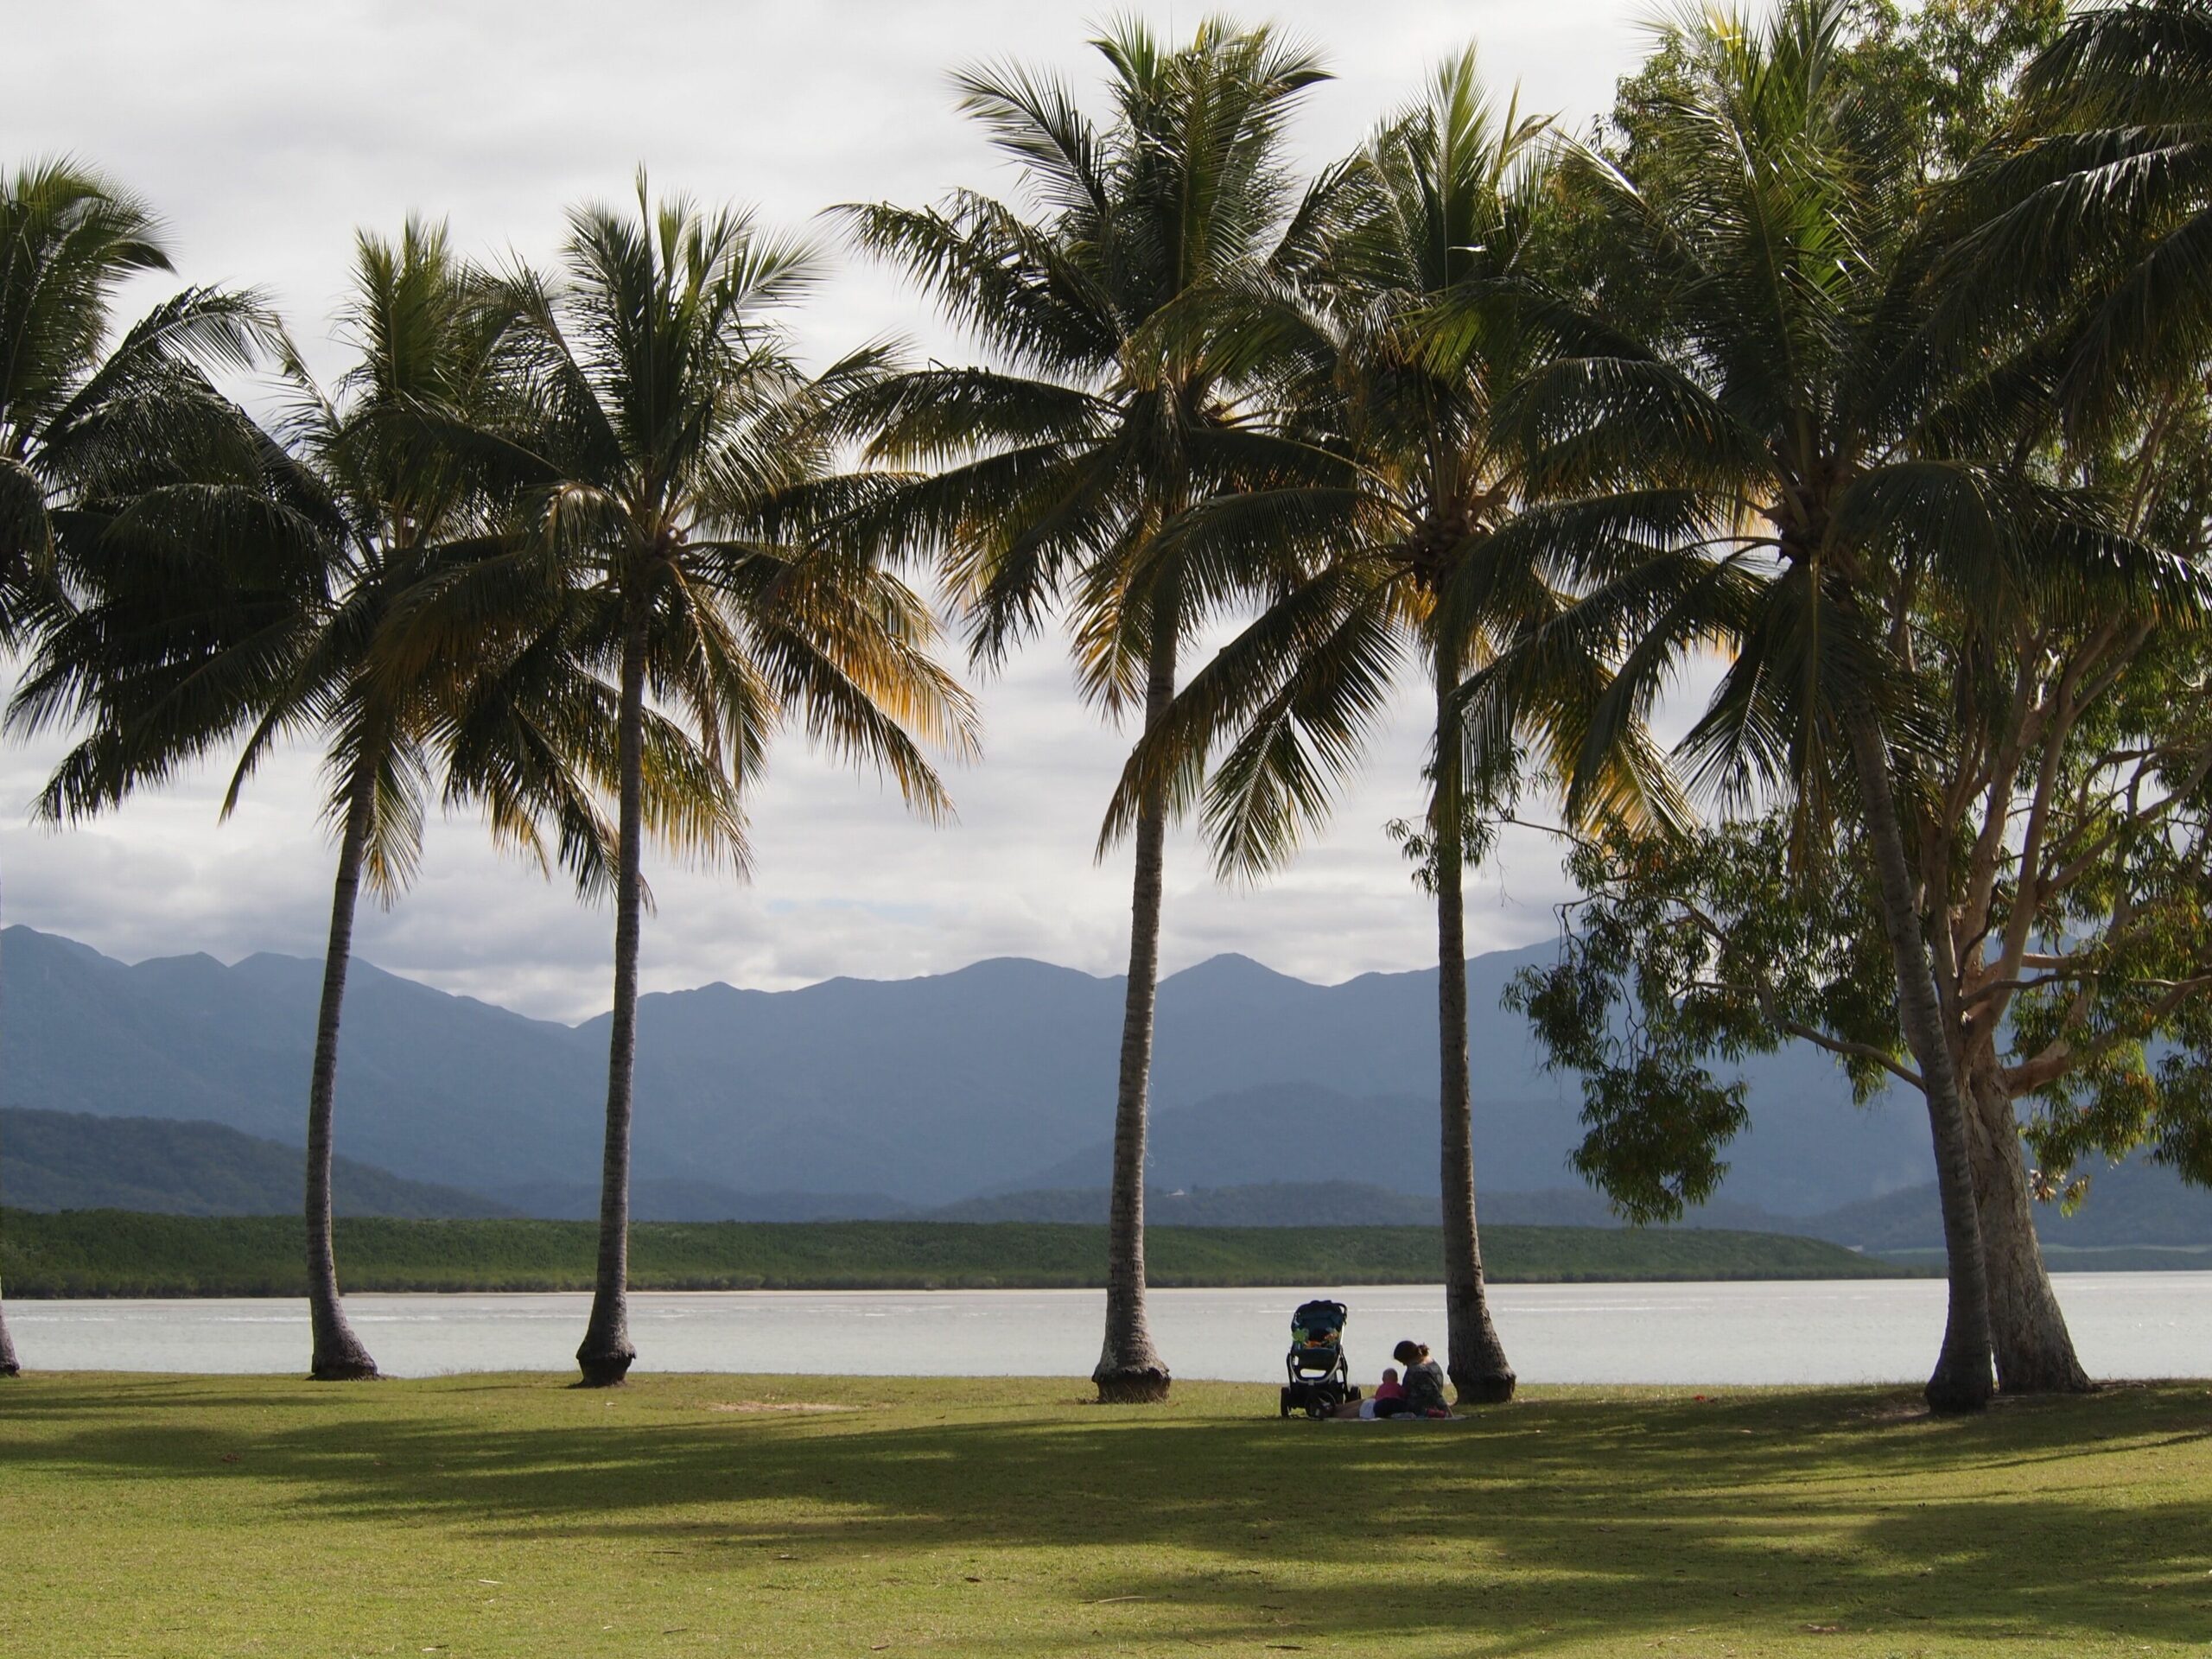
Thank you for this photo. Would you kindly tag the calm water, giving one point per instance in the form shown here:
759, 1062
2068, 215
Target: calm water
2125, 1325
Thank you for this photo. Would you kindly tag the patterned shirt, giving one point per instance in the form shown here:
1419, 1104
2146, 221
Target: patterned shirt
1425, 1387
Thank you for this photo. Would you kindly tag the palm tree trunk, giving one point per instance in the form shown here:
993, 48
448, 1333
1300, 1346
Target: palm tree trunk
1962, 1380
338, 1356
1476, 1358
2027, 1329
1130, 1370
8, 1364
605, 1354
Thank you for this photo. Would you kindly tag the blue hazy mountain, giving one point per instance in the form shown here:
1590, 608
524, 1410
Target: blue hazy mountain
919, 1092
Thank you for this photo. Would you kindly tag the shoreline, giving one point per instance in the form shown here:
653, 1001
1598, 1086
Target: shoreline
1834, 1332
352, 1293
93, 1254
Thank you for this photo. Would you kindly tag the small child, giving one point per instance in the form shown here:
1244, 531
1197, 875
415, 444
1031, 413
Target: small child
1379, 1403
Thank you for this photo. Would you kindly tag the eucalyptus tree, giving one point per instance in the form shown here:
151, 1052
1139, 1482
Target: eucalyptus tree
1815, 453
92, 423
2084, 225
2021, 703
1426, 314
1115, 398
2060, 835
1743, 957
677, 502
2059, 843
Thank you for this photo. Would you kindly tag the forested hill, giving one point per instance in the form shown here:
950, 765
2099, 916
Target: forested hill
105, 1253
73, 1160
997, 1077
68, 1160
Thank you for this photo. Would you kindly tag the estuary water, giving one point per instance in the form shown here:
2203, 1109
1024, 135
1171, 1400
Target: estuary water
2125, 1324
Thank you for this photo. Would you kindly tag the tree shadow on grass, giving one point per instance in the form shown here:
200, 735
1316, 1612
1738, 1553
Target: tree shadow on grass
1552, 1524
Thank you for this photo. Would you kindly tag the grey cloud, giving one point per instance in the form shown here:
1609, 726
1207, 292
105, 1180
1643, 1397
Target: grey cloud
266, 132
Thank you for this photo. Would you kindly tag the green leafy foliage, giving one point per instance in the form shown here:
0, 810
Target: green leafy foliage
1122, 303
1685, 954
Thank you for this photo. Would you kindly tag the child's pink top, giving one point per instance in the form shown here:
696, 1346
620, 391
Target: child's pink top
1389, 1390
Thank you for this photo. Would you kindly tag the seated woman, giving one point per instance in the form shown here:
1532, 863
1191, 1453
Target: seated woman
1423, 1393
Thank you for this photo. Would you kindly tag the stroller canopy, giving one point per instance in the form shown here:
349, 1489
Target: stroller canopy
1318, 1325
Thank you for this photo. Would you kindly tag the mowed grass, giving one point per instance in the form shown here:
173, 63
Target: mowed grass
724, 1515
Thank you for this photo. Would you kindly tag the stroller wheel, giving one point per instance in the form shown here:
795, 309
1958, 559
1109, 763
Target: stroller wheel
1286, 1403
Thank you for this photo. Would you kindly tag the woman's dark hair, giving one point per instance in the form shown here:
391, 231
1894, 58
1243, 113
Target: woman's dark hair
1410, 1353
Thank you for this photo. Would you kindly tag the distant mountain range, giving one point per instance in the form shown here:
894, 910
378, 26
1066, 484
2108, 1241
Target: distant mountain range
857, 1099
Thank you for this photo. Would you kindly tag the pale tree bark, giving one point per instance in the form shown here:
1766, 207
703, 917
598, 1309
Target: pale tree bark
1477, 1364
8, 1364
338, 1354
1130, 1369
2034, 1352
2027, 1330
1962, 1380
606, 1352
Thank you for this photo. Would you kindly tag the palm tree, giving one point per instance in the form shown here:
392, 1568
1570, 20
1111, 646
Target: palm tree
373, 509
1795, 455
1113, 404
677, 498
513, 725
88, 422
2097, 205
1425, 317
392, 505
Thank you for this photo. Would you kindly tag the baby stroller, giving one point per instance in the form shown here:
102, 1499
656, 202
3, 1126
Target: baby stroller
1320, 1377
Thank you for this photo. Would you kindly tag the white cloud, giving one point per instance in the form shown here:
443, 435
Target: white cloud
266, 133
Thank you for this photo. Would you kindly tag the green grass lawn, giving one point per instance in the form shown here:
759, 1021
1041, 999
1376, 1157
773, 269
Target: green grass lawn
720, 1515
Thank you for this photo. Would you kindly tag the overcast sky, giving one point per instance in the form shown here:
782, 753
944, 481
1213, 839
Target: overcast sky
265, 133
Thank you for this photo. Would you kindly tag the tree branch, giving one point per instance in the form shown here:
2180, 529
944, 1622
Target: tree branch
1859, 1051
1770, 1006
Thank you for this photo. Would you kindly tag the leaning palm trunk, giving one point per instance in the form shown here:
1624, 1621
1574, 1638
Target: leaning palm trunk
1130, 1370
1476, 1361
339, 1355
2027, 1330
1962, 1379
605, 1354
